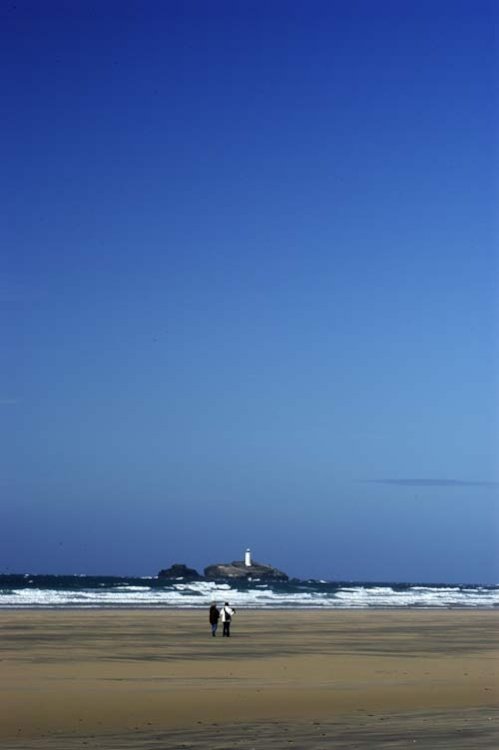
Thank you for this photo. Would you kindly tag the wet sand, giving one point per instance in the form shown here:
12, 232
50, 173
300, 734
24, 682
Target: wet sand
157, 679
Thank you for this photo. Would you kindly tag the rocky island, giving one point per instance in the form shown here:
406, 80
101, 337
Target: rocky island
179, 570
239, 570
246, 569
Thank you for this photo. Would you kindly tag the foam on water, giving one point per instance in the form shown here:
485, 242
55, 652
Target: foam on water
151, 593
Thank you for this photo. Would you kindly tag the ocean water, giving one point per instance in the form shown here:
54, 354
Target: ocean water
92, 592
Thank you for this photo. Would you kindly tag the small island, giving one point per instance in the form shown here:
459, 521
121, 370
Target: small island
179, 570
242, 570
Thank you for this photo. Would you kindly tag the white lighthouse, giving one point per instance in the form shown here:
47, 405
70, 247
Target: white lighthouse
247, 558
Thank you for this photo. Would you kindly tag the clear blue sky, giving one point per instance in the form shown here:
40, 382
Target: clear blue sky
250, 287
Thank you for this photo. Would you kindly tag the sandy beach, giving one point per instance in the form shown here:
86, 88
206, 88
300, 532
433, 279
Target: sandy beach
157, 679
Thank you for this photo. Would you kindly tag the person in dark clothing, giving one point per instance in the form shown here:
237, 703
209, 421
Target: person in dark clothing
226, 615
214, 618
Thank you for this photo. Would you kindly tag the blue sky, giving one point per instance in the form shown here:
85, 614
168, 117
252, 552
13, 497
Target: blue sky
249, 287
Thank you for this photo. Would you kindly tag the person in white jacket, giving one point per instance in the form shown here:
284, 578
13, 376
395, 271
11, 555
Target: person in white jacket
226, 614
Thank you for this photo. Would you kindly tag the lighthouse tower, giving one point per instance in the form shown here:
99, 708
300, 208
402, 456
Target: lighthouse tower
247, 558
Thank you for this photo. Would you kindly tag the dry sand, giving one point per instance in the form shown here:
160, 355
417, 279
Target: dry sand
157, 679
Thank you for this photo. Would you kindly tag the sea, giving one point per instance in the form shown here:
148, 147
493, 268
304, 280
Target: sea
25, 591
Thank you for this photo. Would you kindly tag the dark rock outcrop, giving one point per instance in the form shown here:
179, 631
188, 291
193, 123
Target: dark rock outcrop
179, 570
238, 569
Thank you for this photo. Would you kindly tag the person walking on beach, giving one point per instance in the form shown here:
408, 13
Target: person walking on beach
214, 618
226, 614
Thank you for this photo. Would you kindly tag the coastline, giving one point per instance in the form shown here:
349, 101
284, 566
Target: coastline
246, 608
119, 678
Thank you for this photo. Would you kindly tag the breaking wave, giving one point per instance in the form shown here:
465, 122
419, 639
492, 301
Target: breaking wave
86, 592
